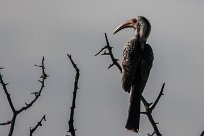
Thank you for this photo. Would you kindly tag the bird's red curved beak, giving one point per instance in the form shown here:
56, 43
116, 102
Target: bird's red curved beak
127, 24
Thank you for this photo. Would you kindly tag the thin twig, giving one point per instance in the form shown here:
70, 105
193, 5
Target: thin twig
151, 134
148, 109
4, 85
5, 123
71, 119
32, 130
158, 98
16, 112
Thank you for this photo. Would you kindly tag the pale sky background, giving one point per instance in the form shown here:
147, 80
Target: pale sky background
30, 29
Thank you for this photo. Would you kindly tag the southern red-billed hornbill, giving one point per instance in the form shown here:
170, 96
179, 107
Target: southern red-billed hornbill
136, 65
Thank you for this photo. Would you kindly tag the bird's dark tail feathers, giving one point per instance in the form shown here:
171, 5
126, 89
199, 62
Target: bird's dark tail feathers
134, 110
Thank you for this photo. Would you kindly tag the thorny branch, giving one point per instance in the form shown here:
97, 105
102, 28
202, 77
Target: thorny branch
28, 105
71, 119
148, 107
32, 130
109, 53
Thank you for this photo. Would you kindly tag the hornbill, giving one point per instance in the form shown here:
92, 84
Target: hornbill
136, 65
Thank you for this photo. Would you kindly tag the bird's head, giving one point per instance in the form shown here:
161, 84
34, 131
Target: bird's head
141, 26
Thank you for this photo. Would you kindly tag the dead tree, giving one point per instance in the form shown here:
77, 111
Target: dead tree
149, 107
15, 111
71, 119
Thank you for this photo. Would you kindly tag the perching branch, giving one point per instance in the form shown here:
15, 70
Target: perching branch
28, 105
148, 107
32, 130
71, 119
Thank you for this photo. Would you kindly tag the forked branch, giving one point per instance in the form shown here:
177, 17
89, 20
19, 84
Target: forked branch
27, 105
148, 107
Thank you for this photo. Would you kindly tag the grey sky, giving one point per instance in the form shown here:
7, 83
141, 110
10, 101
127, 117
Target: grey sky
53, 28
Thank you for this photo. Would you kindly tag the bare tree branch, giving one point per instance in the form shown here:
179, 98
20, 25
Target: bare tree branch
71, 120
32, 130
110, 53
37, 94
7, 94
5, 123
158, 98
148, 109
151, 134
16, 112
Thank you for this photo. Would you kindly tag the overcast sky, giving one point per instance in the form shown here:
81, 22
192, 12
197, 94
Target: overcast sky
52, 28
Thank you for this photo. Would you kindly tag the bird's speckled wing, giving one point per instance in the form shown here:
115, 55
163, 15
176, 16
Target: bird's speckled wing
132, 55
136, 66
146, 65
